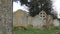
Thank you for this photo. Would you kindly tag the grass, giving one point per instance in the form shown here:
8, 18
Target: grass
31, 30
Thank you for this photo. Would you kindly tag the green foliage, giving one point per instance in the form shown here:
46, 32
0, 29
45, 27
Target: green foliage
34, 6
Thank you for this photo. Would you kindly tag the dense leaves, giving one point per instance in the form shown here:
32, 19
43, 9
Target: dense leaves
15, 0
37, 5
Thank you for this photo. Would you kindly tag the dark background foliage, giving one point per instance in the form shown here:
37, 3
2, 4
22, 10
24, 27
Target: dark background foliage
35, 6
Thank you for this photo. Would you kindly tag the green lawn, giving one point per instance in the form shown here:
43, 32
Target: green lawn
35, 31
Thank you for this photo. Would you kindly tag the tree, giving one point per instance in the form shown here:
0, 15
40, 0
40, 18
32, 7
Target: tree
5, 16
38, 5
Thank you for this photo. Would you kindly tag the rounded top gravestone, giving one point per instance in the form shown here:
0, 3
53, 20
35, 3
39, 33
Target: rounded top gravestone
20, 18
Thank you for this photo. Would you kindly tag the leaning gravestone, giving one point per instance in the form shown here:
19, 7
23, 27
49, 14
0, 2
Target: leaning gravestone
20, 19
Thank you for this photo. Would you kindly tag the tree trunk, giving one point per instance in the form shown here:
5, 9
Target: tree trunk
5, 16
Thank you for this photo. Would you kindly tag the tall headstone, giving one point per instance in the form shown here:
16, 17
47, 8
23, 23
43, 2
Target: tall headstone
20, 19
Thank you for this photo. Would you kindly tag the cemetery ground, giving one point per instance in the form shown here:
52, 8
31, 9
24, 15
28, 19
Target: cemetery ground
31, 30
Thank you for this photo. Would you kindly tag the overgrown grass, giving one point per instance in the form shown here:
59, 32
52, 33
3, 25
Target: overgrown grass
31, 30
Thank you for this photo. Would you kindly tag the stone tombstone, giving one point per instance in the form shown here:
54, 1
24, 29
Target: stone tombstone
42, 15
56, 22
20, 18
30, 20
49, 22
39, 20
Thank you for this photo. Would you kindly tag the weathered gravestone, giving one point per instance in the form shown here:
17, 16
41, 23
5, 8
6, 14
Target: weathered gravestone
20, 19
56, 22
29, 20
39, 20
